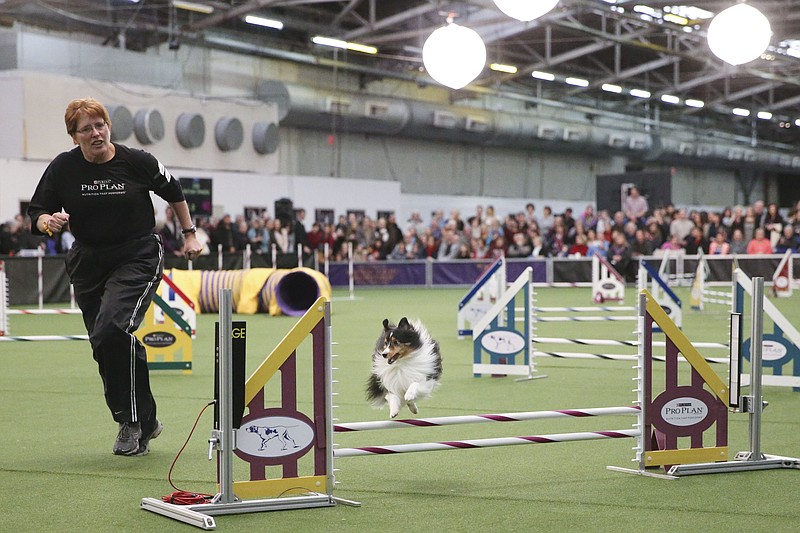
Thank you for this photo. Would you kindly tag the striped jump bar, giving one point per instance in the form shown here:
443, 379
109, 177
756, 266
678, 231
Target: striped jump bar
611, 342
477, 419
32, 338
485, 443
44, 311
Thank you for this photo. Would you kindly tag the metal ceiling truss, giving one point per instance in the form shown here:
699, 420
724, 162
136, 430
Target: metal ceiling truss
589, 39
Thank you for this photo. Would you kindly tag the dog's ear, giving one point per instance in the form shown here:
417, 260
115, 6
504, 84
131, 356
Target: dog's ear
403, 323
386, 324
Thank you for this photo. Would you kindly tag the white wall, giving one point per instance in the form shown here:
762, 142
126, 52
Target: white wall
41, 99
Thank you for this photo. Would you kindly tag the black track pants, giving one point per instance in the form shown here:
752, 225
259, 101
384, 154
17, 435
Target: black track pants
114, 286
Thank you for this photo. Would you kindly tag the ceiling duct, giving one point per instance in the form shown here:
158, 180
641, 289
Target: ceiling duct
477, 124
687, 149
618, 141
532, 129
548, 132
444, 119
337, 105
574, 135
704, 150
639, 143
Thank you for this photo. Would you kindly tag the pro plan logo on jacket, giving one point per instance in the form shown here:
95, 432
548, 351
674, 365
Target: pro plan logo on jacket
102, 188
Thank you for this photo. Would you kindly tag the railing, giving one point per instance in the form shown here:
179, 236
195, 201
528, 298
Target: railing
24, 273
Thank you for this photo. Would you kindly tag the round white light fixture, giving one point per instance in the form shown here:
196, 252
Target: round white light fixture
739, 34
525, 10
454, 55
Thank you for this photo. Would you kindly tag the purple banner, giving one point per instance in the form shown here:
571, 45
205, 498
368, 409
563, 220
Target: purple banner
379, 273
457, 272
516, 267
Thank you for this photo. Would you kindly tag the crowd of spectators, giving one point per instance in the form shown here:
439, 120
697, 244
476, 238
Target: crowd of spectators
635, 230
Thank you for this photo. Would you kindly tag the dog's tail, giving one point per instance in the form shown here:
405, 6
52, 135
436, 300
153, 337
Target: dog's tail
376, 394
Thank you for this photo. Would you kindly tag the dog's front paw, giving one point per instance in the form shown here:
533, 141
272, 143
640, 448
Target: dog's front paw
394, 405
412, 406
411, 393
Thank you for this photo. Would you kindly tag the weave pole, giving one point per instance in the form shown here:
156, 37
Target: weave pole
477, 419
485, 443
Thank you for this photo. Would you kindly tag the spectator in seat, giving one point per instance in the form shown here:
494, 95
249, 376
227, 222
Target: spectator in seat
738, 243
635, 206
720, 245
641, 246
695, 242
619, 254
759, 244
579, 248
788, 241
680, 225
520, 246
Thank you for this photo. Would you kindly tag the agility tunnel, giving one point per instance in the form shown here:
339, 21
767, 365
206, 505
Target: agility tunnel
257, 290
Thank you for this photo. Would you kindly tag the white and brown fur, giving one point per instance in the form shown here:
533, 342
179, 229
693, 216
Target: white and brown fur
406, 366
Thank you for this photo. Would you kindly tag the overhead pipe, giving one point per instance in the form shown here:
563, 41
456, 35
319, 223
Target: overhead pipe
316, 108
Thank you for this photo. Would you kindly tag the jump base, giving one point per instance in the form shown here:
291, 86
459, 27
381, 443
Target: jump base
201, 515
742, 462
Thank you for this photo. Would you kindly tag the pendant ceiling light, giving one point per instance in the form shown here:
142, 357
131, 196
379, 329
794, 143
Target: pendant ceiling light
454, 55
739, 34
525, 10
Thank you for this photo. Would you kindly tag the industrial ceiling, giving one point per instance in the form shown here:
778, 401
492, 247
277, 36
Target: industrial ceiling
627, 44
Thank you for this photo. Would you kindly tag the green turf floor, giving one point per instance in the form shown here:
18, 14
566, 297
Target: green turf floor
57, 472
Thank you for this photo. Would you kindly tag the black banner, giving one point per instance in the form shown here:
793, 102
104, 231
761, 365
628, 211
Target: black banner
239, 342
198, 193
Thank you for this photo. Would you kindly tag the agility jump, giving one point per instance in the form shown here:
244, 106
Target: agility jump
496, 338
607, 285
167, 329
783, 282
656, 446
504, 332
700, 294
661, 291
753, 404
780, 349
5, 313
481, 296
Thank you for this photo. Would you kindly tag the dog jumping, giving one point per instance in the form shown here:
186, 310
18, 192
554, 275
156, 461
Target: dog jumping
406, 366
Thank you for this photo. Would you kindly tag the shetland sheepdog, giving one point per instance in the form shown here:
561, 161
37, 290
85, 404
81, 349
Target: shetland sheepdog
406, 366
